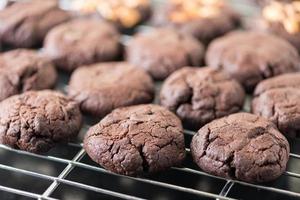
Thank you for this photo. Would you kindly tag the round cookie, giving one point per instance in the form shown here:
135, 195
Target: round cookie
241, 146
205, 20
277, 99
34, 121
100, 88
22, 70
282, 18
137, 139
162, 51
199, 95
82, 41
123, 13
250, 57
291, 80
25, 24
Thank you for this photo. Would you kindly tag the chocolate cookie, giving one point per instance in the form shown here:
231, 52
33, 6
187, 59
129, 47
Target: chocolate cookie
283, 19
22, 70
137, 139
162, 51
100, 88
241, 146
202, 19
250, 57
36, 120
25, 23
82, 41
199, 95
290, 80
123, 13
278, 100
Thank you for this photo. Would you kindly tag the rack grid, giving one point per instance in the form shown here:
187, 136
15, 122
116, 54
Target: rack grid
66, 172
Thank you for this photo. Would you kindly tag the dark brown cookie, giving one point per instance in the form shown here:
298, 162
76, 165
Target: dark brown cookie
290, 80
250, 57
204, 20
81, 42
123, 13
278, 100
199, 95
241, 146
22, 70
25, 24
162, 51
36, 120
137, 139
100, 88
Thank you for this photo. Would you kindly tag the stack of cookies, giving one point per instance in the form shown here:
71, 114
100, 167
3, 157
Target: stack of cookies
190, 69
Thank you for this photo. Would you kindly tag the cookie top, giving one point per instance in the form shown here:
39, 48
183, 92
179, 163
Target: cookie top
241, 146
34, 121
199, 95
204, 20
282, 107
250, 57
25, 24
125, 14
162, 51
22, 70
291, 80
82, 41
137, 139
100, 88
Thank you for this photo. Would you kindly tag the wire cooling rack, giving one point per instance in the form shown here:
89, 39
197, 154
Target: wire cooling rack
66, 172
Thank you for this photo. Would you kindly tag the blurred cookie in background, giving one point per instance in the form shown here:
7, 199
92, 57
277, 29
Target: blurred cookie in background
126, 14
250, 57
203, 19
82, 42
162, 51
22, 70
24, 24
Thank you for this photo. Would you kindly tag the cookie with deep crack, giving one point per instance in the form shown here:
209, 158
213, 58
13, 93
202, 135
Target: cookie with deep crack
25, 23
278, 100
82, 42
251, 57
199, 95
22, 70
205, 20
162, 51
100, 88
36, 120
137, 139
241, 146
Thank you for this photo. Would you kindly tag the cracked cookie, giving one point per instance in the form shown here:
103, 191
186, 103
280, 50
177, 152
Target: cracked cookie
36, 120
251, 57
277, 99
100, 88
241, 146
25, 23
22, 70
205, 20
137, 139
82, 42
199, 95
162, 51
